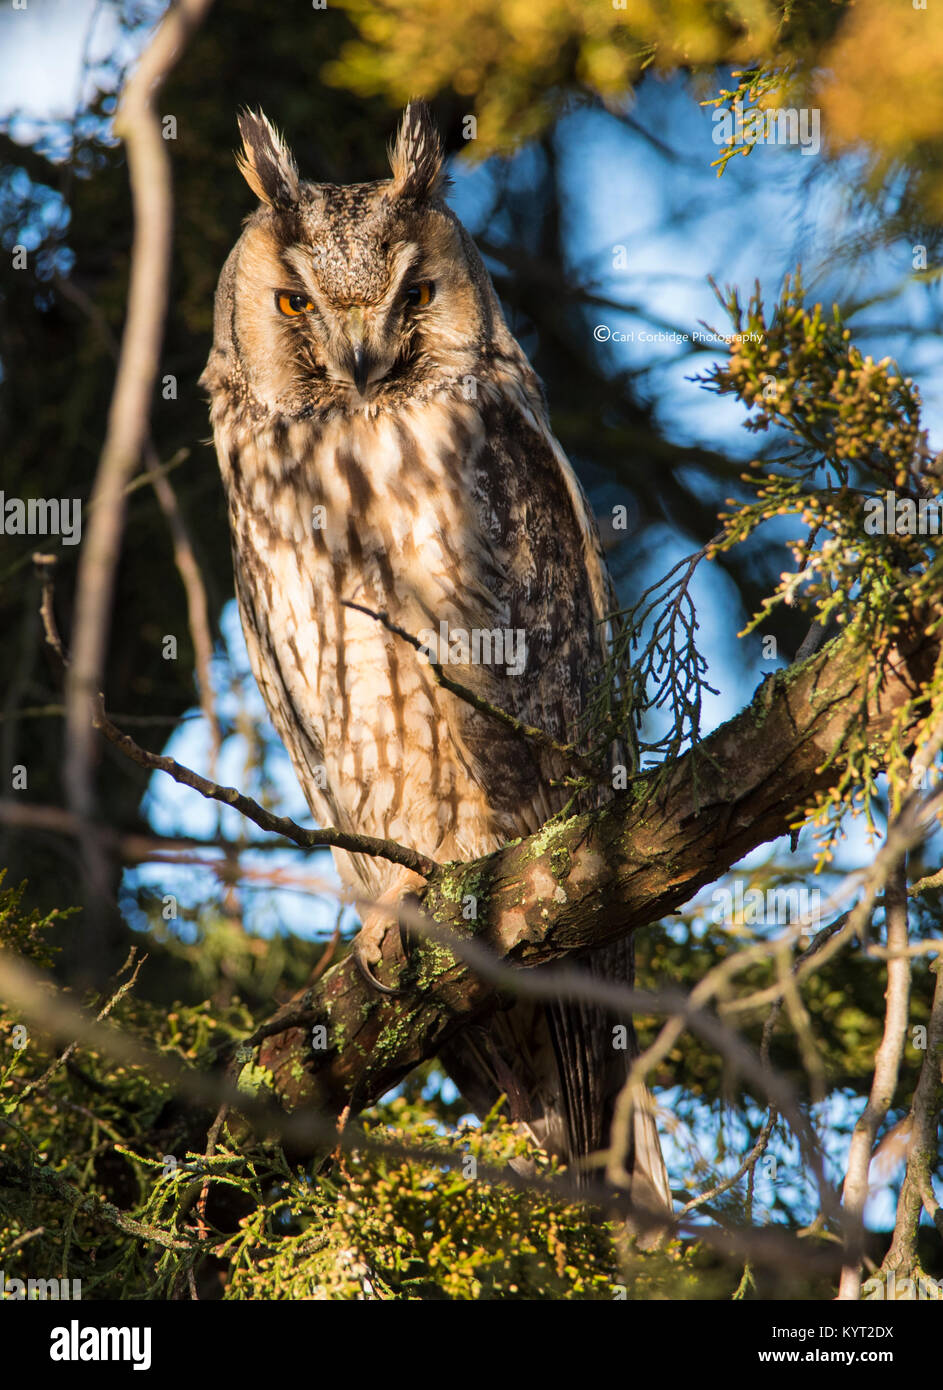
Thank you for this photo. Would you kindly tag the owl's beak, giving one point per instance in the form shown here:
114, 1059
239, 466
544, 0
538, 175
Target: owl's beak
362, 363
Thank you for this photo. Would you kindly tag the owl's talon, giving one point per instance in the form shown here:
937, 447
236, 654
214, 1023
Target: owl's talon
406, 938
405, 941
390, 991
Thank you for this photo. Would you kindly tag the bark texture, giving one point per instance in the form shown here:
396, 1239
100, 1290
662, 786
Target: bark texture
584, 881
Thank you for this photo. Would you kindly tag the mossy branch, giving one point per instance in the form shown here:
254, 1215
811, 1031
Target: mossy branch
593, 878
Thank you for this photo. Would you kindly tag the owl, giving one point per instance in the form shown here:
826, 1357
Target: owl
383, 441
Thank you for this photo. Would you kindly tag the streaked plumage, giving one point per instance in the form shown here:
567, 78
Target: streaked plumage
388, 443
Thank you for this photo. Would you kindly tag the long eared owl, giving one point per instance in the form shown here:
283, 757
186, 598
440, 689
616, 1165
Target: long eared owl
384, 441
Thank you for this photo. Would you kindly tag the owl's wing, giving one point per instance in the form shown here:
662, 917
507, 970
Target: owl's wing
541, 569
534, 571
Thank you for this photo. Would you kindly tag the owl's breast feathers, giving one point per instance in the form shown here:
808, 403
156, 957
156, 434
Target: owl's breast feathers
460, 519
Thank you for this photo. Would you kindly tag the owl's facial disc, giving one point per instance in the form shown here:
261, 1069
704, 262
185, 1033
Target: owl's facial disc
357, 364
362, 308
354, 293
378, 335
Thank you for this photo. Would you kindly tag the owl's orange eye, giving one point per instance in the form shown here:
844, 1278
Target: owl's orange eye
294, 304
420, 294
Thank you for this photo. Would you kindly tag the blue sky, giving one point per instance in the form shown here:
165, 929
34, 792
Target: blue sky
42, 47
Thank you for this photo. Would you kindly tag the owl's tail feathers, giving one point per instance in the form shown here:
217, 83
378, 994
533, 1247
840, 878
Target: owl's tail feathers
648, 1188
518, 1053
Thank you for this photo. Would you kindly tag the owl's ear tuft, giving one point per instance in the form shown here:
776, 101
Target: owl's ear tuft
266, 162
416, 156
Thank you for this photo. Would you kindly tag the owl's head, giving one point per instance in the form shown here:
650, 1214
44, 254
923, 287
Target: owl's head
350, 295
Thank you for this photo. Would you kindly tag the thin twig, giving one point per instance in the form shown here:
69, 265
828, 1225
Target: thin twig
45, 1178
923, 885
279, 825
747, 1166
527, 731
43, 1081
133, 848
229, 796
46, 569
211, 1140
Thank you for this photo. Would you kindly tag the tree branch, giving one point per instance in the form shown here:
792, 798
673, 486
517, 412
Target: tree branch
916, 1193
149, 173
884, 1083
229, 796
590, 879
280, 825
